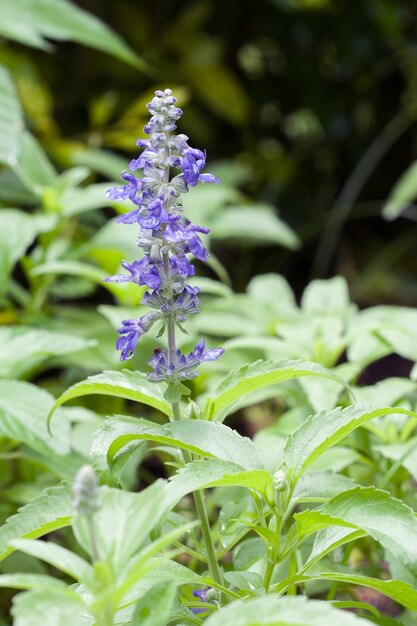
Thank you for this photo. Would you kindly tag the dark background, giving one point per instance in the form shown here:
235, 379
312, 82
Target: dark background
317, 97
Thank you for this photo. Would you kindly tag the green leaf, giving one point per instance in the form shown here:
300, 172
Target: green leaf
33, 166
126, 293
24, 349
58, 556
216, 473
50, 511
154, 607
401, 592
123, 522
273, 611
52, 607
252, 224
18, 401
129, 385
11, 120
403, 193
23, 580
17, 231
33, 22
319, 486
197, 436
325, 429
235, 389
79, 200
211, 79
388, 520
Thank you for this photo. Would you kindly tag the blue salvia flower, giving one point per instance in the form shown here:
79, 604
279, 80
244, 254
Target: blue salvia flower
166, 237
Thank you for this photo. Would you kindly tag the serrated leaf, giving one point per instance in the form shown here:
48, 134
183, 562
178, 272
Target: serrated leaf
129, 385
25, 348
273, 611
401, 592
236, 388
197, 436
388, 520
319, 486
216, 473
50, 511
33, 22
11, 120
325, 429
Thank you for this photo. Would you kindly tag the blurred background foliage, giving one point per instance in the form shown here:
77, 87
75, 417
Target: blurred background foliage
312, 101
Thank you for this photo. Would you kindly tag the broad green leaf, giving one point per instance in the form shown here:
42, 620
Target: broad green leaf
166, 571
126, 293
216, 473
253, 224
327, 297
289, 611
23, 418
129, 385
154, 608
56, 555
401, 592
146, 561
50, 511
197, 436
103, 162
17, 231
236, 388
33, 22
79, 200
274, 292
33, 166
325, 429
319, 486
52, 607
24, 348
11, 120
123, 522
23, 580
211, 79
403, 194
388, 520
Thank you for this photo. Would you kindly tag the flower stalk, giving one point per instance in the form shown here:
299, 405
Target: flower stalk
167, 239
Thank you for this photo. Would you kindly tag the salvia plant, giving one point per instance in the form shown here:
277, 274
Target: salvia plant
310, 522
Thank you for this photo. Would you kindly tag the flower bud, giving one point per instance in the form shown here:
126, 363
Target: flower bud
280, 482
85, 491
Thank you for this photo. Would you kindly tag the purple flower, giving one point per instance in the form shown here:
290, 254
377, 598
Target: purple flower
202, 595
141, 272
193, 162
180, 229
183, 367
129, 333
128, 192
165, 237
